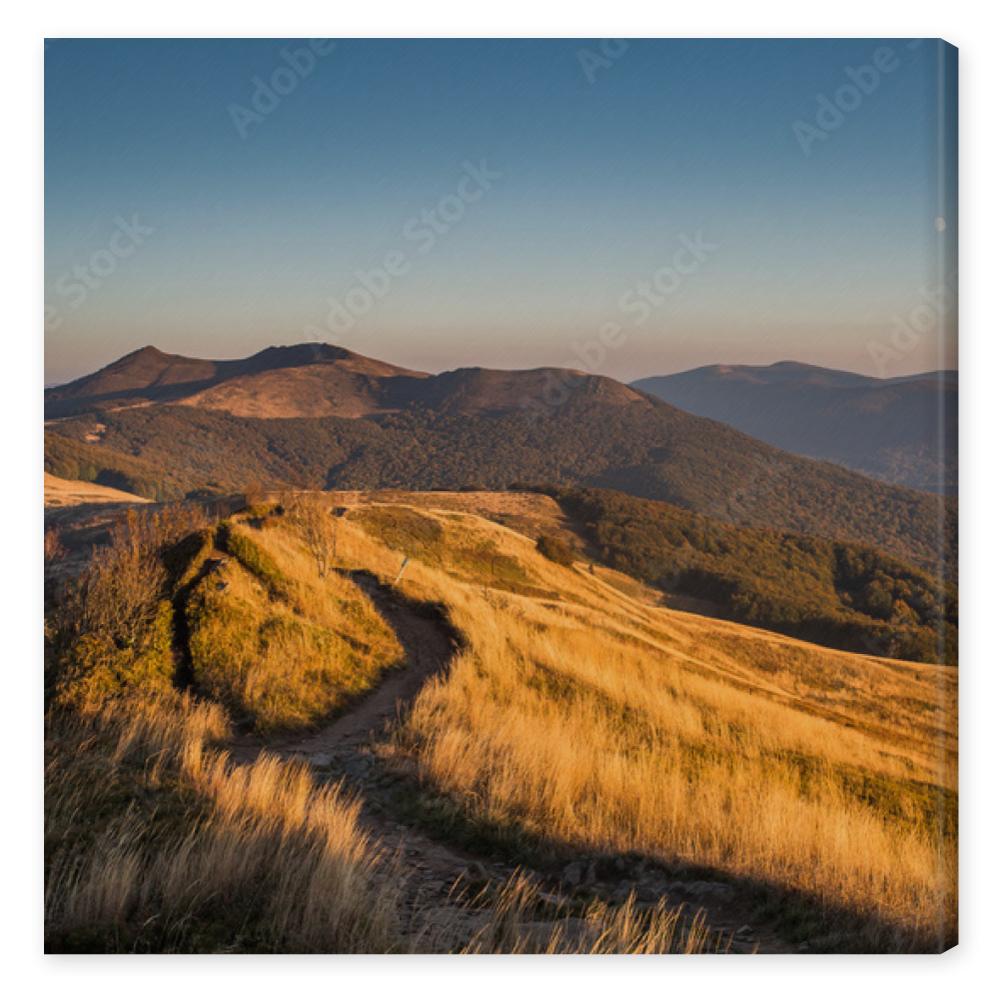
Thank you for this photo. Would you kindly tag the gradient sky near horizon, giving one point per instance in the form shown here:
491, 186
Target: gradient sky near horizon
834, 258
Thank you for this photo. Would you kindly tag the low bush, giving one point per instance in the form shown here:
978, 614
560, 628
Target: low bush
556, 549
110, 629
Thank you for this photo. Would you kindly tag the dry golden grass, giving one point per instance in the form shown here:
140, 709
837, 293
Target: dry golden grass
522, 920
71, 492
600, 723
291, 648
157, 842
579, 717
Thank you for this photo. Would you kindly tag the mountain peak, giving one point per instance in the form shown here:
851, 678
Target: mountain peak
149, 351
311, 352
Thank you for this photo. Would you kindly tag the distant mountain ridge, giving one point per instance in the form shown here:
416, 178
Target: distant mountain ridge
903, 430
301, 380
319, 416
313, 380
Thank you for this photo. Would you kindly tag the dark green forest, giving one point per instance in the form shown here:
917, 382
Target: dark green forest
845, 595
167, 452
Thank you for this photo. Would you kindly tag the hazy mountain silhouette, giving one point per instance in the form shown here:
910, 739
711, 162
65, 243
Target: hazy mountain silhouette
903, 430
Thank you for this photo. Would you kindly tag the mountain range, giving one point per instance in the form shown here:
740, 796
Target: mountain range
316, 380
903, 430
320, 416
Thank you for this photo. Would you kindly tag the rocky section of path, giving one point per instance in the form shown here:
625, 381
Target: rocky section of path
436, 872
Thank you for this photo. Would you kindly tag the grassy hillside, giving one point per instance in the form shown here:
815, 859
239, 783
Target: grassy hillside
579, 720
653, 451
73, 492
276, 642
850, 596
818, 775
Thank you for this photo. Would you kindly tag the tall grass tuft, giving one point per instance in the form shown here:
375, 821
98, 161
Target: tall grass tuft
157, 842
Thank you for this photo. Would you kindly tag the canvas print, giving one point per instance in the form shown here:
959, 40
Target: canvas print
501, 496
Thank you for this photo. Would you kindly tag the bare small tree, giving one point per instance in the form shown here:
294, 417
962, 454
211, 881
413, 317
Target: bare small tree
253, 493
124, 581
313, 517
54, 548
109, 628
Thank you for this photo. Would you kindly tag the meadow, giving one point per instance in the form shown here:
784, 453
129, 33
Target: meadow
600, 723
579, 718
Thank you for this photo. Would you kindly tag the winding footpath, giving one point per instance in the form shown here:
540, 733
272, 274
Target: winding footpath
429, 642
344, 750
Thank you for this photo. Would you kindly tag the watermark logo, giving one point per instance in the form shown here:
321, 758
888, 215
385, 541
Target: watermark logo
267, 93
831, 111
929, 316
432, 223
595, 61
639, 302
77, 285
650, 294
423, 231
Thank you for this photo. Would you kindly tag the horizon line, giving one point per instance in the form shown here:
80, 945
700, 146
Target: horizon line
558, 367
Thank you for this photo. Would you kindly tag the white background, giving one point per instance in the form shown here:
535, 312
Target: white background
966, 971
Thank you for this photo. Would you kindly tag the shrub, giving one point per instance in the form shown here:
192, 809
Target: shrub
111, 628
554, 548
97, 667
314, 522
53, 545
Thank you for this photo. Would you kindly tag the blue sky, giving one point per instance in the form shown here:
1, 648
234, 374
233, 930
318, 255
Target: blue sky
214, 197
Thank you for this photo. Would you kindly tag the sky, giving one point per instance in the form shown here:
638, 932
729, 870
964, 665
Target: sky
630, 208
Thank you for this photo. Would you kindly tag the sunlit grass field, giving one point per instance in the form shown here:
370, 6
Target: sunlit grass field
278, 643
580, 717
157, 843
596, 720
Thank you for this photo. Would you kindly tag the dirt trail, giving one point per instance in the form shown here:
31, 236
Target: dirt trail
343, 750
429, 642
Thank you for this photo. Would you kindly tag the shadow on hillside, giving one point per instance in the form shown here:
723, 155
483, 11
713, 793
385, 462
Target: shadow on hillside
773, 909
